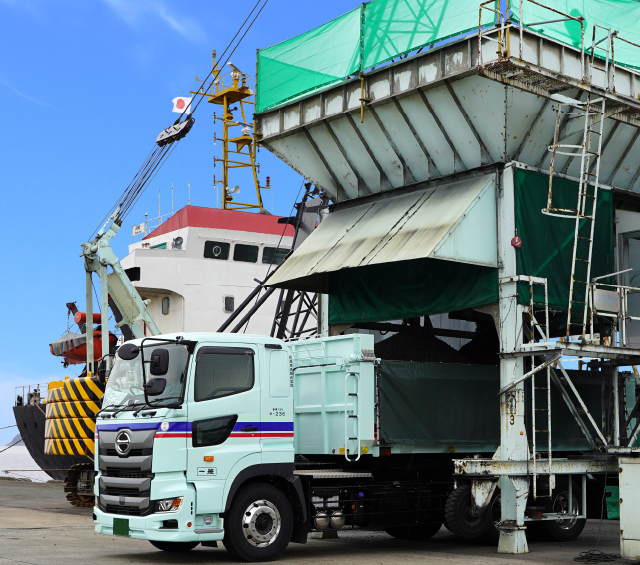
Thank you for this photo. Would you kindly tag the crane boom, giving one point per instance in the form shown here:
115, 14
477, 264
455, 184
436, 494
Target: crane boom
98, 256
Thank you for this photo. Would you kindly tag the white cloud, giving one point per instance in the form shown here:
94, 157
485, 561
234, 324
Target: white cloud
133, 12
22, 94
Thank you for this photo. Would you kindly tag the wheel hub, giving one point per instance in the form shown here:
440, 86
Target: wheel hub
561, 506
261, 523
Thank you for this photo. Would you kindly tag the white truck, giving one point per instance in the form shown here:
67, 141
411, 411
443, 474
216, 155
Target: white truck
255, 442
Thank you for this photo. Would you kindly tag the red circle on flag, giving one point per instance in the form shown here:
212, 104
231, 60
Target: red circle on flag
180, 104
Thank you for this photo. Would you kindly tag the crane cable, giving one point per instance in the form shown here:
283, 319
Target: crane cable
158, 155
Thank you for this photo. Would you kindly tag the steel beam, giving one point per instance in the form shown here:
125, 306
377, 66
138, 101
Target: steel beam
492, 467
433, 169
485, 156
407, 174
456, 156
383, 176
514, 490
339, 190
362, 186
297, 169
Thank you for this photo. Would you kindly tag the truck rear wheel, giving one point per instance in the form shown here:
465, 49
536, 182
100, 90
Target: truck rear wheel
458, 517
174, 546
416, 532
259, 525
569, 528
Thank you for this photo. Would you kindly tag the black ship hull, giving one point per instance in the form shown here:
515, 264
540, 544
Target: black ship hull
31, 423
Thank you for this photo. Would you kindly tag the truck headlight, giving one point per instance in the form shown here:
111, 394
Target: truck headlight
169, 504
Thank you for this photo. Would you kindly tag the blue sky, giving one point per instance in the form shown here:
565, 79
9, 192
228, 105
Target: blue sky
86, 86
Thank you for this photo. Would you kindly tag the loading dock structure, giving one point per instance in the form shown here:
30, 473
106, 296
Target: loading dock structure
497, 172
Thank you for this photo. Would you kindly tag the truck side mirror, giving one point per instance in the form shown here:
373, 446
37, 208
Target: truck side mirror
128, 351
159, 362
155, 387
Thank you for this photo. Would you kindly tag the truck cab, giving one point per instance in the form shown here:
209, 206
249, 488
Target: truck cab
189, 425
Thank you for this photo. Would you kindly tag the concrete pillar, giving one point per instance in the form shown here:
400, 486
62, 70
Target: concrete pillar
514, 491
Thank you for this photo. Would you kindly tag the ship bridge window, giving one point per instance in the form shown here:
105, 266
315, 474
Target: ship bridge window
246, 253
274, 255
216, 250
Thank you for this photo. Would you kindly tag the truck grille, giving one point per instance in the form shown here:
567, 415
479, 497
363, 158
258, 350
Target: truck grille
125, 481
123, 510
127, 473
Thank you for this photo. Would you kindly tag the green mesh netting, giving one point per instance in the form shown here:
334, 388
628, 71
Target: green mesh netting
396, 27
372, 34
621, 15
319, 57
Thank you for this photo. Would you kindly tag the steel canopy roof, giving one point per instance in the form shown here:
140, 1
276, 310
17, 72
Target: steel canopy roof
452, 221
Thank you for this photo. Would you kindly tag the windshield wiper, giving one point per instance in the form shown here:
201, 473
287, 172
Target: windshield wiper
132, 405
148, 404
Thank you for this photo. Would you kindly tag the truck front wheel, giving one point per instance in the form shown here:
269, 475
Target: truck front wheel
259, 525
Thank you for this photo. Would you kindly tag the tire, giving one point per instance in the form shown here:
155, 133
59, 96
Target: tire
493, 512
458, 518
262, 513
567, 529
416, 532
174, 546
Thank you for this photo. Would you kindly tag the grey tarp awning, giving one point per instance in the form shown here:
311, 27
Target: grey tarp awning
454, 221
67, 342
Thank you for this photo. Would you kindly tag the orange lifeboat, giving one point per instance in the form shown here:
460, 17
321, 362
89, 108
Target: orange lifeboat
73, 347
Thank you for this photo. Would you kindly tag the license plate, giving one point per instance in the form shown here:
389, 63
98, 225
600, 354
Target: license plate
120, 527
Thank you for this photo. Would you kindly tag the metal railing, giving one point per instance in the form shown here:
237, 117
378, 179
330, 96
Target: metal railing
504, 24
30, 394
619, 309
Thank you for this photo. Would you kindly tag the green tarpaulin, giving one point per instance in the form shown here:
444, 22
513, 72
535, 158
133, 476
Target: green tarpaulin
458, 406
547, 241
620, 15
406, 289
363, 38
436, 403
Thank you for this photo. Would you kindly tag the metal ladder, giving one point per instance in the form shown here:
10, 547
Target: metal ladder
542, 329
351, 432
590, 152
584, 214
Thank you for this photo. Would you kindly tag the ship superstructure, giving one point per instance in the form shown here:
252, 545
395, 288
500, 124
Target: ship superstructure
201, 264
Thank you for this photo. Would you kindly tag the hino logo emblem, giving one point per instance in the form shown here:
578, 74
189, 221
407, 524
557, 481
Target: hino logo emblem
123, 443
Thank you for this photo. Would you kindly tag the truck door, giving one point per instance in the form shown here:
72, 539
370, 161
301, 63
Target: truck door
224, 414
277, 407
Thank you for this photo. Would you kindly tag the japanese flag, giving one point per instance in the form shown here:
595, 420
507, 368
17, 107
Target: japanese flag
180, 104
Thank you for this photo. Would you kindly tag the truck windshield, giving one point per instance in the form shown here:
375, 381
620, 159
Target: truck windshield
124, 386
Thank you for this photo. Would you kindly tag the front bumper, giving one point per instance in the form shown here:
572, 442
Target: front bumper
151, 527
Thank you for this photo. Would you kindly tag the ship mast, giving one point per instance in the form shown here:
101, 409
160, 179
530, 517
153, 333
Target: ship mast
238, 151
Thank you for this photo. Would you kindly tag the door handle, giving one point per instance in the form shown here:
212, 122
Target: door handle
249, 429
